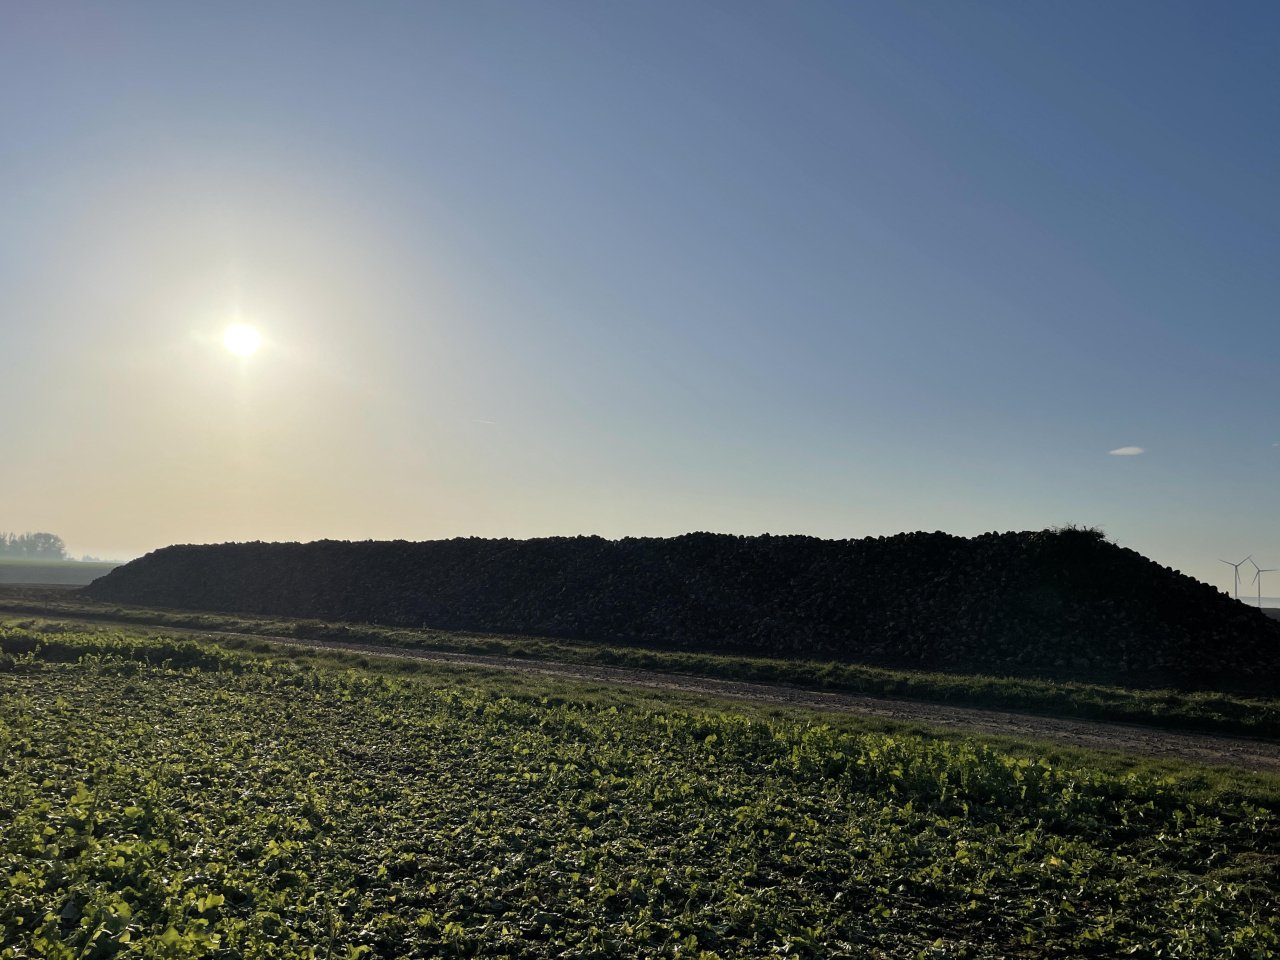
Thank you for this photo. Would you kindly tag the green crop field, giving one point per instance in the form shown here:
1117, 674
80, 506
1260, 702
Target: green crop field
168, 798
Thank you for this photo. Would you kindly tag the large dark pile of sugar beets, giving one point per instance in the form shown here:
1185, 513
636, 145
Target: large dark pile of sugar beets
1062, 603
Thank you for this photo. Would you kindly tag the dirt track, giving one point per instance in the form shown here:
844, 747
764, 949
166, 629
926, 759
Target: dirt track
1203, 748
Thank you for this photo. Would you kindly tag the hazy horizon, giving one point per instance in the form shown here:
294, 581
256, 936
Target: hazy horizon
559, 268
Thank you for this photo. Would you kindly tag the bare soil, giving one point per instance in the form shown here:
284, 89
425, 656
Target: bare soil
51, 576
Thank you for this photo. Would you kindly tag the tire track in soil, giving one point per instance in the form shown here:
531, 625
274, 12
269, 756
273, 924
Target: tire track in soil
1203, 748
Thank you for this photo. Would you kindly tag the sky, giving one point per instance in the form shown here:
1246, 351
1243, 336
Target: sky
532, 269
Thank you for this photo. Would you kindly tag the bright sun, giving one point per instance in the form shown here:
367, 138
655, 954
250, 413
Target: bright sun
241, 339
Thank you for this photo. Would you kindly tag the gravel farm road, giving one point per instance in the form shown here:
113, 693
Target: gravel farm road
1201, 748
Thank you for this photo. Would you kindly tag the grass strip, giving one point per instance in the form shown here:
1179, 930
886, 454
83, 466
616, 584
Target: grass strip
1170, 709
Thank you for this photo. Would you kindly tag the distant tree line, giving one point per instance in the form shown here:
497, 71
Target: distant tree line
32, 546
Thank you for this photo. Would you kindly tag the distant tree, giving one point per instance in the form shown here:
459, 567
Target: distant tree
49, 546
32, 546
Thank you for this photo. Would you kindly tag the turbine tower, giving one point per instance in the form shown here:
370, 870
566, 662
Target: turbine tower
1236, 567
1257, 578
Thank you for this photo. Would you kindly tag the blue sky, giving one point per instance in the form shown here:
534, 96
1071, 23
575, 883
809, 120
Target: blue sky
639, 269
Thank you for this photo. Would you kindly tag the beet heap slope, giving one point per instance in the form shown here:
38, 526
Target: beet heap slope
1054, 603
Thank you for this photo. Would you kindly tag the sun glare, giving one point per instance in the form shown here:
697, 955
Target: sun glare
241, 339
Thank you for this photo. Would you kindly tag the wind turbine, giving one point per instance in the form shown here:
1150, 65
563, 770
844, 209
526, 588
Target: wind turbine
1236, 567
1257, 578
